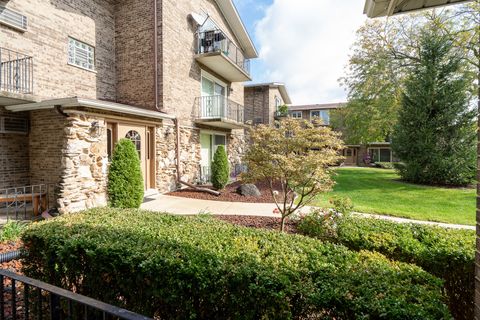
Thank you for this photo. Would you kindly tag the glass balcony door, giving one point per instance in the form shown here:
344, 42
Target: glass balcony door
214, 100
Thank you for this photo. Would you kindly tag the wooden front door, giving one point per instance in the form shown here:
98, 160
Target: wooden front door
350, 155
142, 138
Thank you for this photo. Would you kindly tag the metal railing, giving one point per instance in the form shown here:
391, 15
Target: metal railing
205, 174
16, 72
217, 41
26, 298
26, 202
211, 107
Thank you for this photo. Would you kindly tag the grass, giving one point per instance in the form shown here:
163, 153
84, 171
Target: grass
380, 191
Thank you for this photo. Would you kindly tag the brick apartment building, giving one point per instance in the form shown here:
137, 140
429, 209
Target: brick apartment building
78, 75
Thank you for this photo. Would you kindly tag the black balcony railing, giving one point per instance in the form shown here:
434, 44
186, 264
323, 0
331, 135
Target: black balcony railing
16, 72
25, 298
217, 41
214, 107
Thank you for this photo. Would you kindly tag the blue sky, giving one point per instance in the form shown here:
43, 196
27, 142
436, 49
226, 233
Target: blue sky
303, 43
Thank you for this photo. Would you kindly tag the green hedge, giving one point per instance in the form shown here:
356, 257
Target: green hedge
201, 268
446, 253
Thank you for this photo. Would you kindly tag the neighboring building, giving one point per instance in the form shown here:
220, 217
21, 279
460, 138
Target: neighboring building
78, 75
356, 155
263, 100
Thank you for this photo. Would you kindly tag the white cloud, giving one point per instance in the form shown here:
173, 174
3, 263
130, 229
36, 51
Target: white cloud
306, 43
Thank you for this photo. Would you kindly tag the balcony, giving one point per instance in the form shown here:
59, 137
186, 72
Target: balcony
217, 52
218, 111
16, 77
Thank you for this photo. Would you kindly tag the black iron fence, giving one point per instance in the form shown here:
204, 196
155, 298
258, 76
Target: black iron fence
26, 202
26, 298
16, 72
216, 41
210, 107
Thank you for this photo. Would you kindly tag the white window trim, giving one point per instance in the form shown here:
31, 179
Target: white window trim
94, 70
296, 112
206, 75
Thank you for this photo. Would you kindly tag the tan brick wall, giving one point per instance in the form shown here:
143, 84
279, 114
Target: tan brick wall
50, 24
134, 38
14, 157
182, 76
257, 104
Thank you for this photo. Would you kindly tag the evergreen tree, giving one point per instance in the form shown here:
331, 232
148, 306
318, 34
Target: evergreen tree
125, 181
435, 136
220, 168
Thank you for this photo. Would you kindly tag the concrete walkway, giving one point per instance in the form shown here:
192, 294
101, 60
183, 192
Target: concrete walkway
187, 206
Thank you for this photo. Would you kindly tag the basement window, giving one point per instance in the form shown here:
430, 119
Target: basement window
13, 125
13, 19
81, 54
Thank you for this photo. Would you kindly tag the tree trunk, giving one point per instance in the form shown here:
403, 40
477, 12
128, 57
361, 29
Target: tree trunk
282, 226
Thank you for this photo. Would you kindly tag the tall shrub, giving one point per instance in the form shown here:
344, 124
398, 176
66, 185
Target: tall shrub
125, 181
220, 168
436, 132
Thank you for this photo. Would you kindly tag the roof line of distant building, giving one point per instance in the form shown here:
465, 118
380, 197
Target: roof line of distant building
317, 106
281, 87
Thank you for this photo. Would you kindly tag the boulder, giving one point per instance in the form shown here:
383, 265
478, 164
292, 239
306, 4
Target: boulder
249, 190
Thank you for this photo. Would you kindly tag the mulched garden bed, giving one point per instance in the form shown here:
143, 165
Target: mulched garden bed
260, 222
15, 265
229, 194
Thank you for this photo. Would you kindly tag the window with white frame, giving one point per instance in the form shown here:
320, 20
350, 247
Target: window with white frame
278, 102
323, 115
81, 54
296, 114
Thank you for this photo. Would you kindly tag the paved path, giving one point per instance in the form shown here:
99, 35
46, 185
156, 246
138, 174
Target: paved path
187, 206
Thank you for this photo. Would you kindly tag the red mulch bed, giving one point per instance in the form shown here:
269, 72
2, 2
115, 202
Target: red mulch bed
229, 194
15, 265
260, 222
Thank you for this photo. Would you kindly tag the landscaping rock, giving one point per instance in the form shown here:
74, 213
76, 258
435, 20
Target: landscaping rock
249, 190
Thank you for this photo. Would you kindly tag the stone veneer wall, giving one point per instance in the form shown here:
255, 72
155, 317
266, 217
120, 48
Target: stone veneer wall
14, 158
237, 146
166, 156
84, 164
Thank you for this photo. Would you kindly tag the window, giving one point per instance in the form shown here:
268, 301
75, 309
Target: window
278, 103
323, 115
380, 154
81, 54
13, 19
296, 114
13, 125
135, 137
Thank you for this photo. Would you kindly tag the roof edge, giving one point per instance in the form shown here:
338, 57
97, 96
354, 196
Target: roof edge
92, 103
233, 18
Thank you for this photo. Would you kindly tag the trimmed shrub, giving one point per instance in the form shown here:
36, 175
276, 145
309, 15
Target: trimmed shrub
201, 268
220, 168
385, 165
125, 181
446, 253
342, 205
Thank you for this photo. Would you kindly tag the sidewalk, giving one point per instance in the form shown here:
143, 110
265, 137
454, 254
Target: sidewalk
187, 206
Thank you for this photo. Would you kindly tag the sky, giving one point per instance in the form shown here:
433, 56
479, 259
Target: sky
303, 43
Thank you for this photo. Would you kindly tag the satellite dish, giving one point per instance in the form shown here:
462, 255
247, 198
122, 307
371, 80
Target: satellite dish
198, 18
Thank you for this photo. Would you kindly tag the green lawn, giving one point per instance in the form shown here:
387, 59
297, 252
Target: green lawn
380, 191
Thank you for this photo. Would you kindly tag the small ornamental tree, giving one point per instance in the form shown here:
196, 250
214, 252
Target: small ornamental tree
220, 168
125, 181
295, 157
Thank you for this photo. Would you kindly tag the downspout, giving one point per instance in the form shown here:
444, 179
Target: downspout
155, 50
